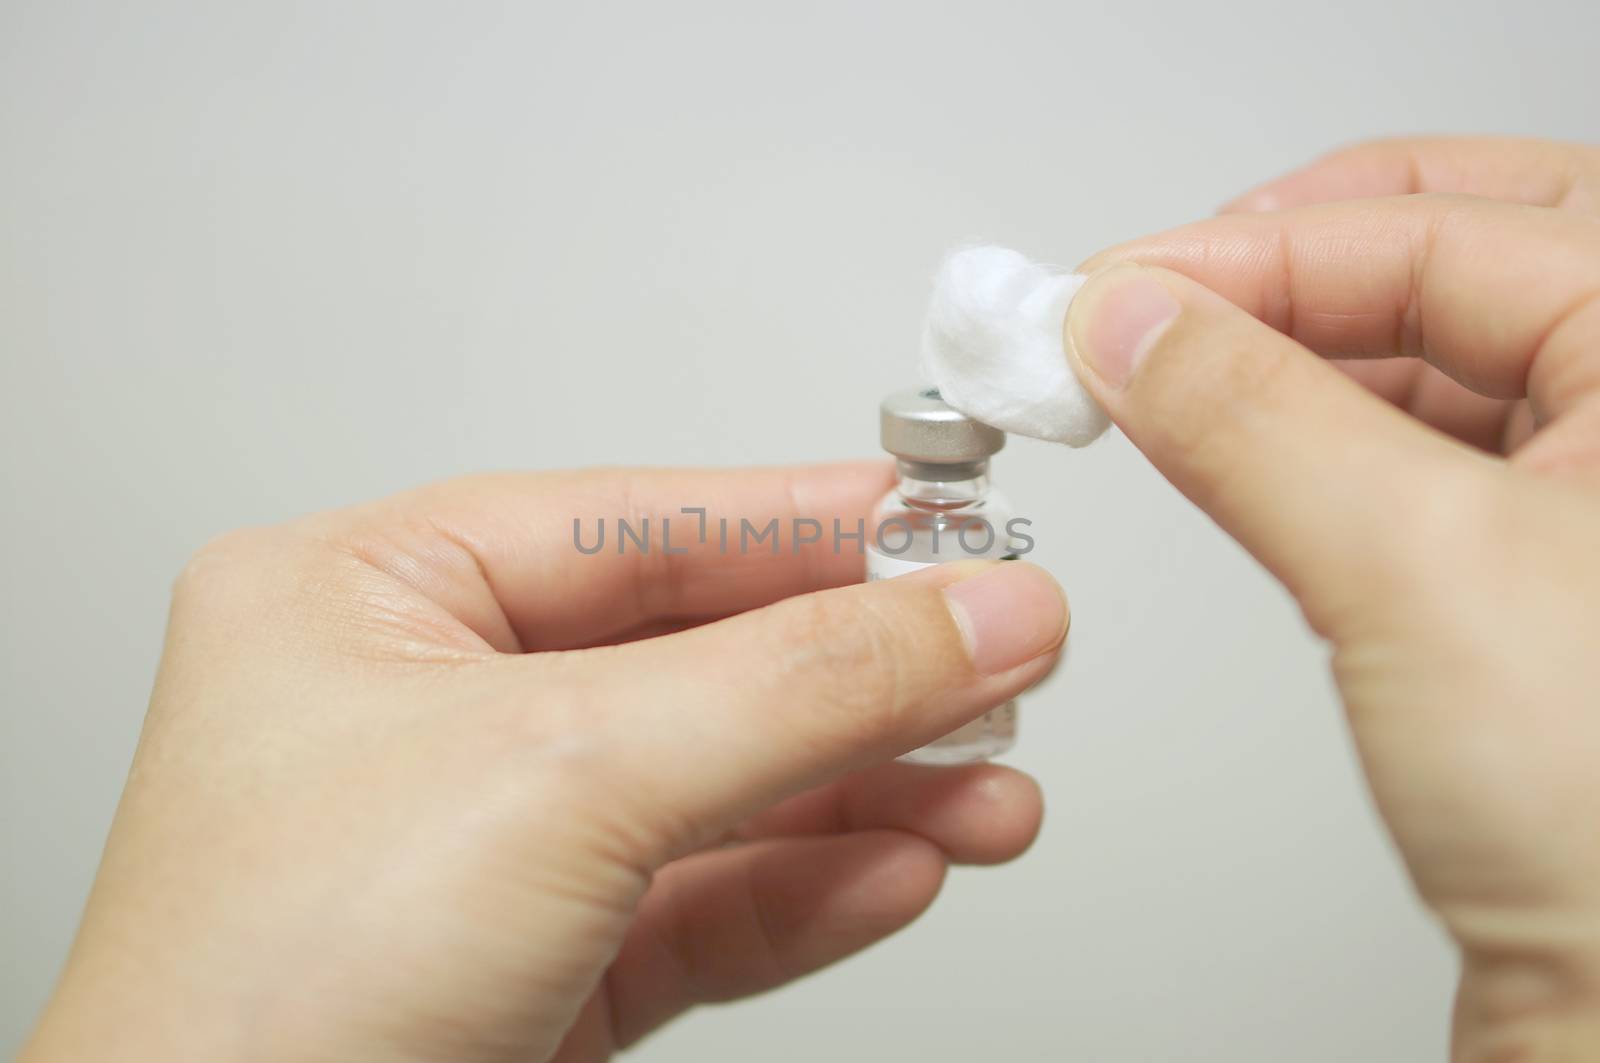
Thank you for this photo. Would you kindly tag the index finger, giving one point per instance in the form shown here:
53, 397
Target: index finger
1501, 297
1543, 173
566, 559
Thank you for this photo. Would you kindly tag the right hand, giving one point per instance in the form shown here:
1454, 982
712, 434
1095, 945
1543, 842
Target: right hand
1440, 524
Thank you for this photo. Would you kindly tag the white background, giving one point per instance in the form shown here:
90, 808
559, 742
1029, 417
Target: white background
263, 258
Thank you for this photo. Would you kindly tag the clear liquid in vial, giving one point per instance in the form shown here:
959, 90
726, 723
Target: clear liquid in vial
930, 522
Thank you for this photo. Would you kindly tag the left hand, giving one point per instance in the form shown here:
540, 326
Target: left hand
420, 781
1443, 540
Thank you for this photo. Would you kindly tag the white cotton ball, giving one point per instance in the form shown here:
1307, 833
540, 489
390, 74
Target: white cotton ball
993, 346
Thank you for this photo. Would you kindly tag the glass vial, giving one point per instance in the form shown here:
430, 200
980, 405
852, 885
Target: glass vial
941, 510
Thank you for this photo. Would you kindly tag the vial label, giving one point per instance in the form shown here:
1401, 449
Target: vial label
886, 566
992, 733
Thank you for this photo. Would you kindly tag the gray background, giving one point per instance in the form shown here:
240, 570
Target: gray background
263, 258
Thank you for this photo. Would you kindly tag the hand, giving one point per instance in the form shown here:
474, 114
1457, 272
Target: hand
1451, 556
420, 781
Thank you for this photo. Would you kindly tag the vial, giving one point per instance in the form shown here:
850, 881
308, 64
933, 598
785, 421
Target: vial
941, 510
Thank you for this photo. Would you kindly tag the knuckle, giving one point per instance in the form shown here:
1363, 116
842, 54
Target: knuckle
254, 577
213, 571
1366, 147
1385, 151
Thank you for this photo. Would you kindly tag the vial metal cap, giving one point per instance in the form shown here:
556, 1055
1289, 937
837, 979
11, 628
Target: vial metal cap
918, 426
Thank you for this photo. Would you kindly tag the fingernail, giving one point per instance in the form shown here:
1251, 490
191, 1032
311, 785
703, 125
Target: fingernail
1009, 613
1117, 318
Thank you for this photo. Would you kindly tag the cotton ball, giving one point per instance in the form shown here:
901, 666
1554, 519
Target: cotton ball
993, 346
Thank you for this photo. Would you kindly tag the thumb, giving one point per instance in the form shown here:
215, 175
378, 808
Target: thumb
1338, 493
717, 722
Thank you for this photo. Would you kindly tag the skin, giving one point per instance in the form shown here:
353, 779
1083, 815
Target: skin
1436, 513
420, 783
